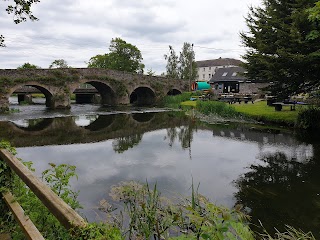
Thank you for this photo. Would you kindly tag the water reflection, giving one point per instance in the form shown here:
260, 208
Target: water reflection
271, 172
122, 144
33, 124
280, 190
85, 120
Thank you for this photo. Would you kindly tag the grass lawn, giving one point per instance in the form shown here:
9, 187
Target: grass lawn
261, 110
189, 103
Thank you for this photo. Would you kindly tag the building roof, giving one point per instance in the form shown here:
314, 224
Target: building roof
219, 62
228, 74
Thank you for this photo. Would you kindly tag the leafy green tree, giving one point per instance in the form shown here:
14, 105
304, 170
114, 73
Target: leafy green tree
150, 72
59, 63
28, 66
187, 67
172, 63
184, 66
99, 61
279, 49
314, 16
123, 56
21, 11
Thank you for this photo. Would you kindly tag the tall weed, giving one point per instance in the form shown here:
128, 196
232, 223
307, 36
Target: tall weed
174, 101
218, 108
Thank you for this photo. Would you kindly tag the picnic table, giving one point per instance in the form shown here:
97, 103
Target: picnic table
235, 98
278, 105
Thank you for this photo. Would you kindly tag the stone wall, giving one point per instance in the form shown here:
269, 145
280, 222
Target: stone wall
252, 88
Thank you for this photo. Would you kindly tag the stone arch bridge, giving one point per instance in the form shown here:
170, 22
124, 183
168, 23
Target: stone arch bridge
114, 87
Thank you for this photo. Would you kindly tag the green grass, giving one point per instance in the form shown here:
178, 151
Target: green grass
174, 101
261, 111
189, 103
38, 95
219, 108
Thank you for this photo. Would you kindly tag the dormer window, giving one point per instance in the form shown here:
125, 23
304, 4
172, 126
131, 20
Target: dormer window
224, 74
234, 74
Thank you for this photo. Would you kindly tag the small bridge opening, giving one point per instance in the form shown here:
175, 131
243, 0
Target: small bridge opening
94, 92
142, 96
31, 94
173, 92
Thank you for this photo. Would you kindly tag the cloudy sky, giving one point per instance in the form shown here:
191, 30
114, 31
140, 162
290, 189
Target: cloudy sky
76, 30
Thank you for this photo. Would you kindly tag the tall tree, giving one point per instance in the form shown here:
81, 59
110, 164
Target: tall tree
187, 66
59, 63
314, 16
28, 66
172, 63
123, 56
21, 11
278, 47
99, 61
184, 66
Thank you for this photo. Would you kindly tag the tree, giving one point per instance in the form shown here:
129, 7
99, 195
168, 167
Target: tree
123, 56
59, 63
279, 49
150, 72
314, 16
172, 63
99, 61
183, 67
187, 67
28, 66
22, 11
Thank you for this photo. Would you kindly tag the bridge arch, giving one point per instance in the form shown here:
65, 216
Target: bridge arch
174, 92
43, 89
102, 122
143, 96
143, 117
107, 94
32, 125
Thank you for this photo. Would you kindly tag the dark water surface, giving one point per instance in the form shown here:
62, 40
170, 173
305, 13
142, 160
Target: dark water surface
274, 173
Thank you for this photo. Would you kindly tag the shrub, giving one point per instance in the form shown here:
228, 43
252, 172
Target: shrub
174, 101
309, 119
219, 108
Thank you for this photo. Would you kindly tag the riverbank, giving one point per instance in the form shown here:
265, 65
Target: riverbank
258, 111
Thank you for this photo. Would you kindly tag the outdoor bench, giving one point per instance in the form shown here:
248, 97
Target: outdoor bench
278, 105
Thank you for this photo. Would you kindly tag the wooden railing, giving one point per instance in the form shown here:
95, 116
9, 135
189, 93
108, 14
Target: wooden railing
68, 217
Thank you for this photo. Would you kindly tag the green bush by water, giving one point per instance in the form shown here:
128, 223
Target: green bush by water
174, 101
220, 108
309, 119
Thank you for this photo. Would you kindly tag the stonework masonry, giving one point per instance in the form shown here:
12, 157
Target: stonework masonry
115, 87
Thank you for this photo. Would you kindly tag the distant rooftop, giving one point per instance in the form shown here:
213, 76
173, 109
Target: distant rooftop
228, 74
219, 62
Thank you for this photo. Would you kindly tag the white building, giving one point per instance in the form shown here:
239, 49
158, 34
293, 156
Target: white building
207, 68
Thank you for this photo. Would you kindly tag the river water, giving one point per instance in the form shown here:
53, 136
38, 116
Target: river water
273, 172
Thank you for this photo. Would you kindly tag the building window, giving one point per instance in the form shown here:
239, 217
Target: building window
203, 76
234, 74
224, 74
209, 75
204, 69
209, 68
